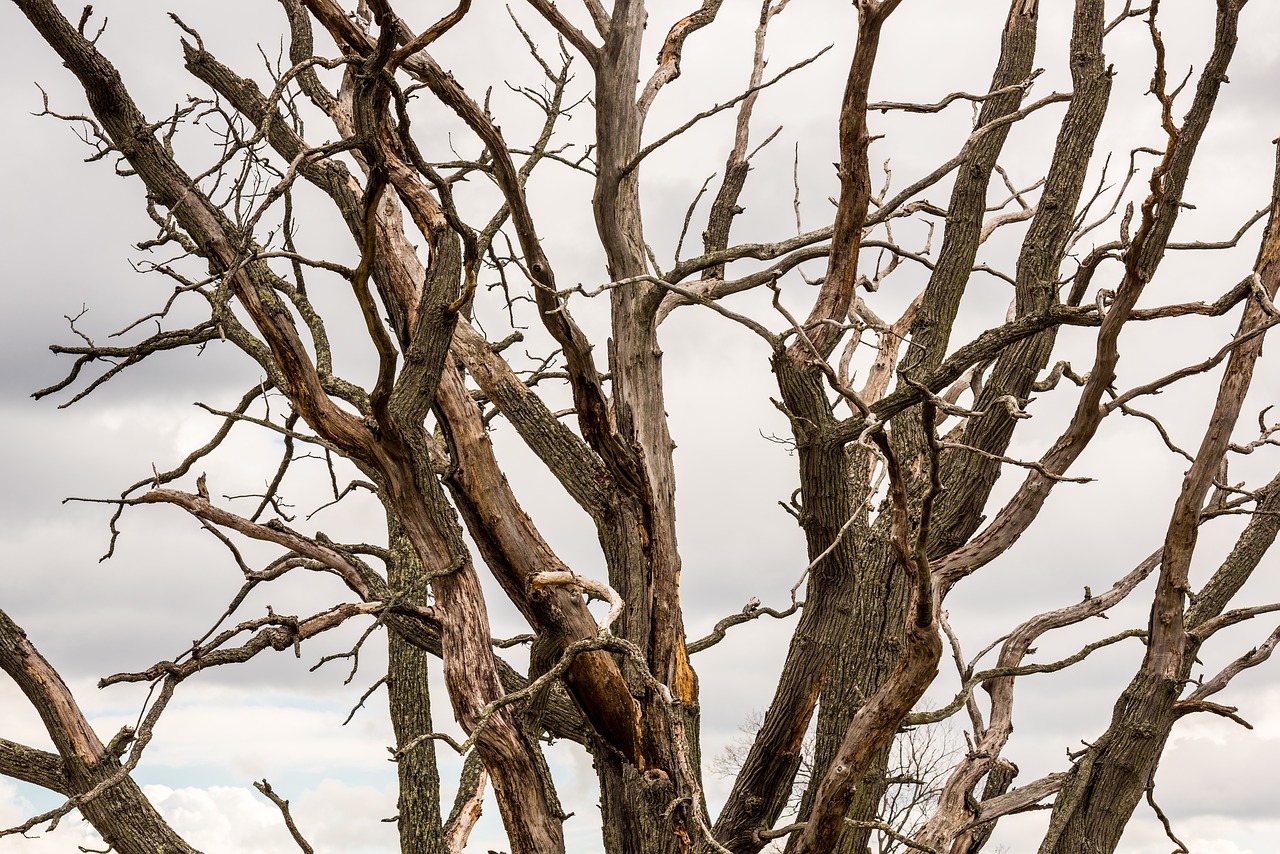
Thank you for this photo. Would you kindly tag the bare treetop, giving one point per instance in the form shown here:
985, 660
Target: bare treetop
434, 278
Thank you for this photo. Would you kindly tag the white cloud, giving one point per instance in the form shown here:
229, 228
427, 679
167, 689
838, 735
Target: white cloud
1202, 834
333, 816
15, 809
254, 736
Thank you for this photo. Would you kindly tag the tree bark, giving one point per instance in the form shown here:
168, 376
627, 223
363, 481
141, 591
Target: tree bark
880, 595
409, 700
121, 814
832, 501
1106, 784
970, 476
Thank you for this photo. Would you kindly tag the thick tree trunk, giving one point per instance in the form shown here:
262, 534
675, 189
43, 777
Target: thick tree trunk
840, 591
872, 728
879, 718
1095, 804
873, 647
639, 535
830, 500
532, 822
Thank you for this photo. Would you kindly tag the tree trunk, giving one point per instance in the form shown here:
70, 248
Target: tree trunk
1095, 804
874, 646
1104, 787
409, 701
639, 538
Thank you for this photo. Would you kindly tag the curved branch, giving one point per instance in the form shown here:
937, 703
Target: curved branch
280, 633
272, 532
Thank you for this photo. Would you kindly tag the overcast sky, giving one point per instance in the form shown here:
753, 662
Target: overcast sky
69, 230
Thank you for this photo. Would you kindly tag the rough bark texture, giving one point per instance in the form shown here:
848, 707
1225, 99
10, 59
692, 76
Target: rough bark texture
639, 537
409, 702
971, 477
830, 499
1106, 784
867, 660
120, 813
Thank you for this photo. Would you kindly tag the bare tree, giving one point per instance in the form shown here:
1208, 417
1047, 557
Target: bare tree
903, 412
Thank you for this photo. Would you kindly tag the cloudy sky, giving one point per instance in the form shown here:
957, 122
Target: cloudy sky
68, 232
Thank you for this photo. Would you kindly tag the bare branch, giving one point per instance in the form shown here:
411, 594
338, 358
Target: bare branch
752, 610
718, 108
1017, 88
283, 805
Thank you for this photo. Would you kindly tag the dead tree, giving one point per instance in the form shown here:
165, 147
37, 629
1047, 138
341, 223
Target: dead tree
445, 232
